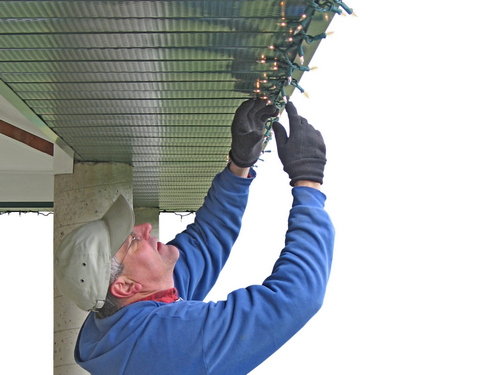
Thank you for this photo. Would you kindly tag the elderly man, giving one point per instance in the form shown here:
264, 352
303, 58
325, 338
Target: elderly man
146, 297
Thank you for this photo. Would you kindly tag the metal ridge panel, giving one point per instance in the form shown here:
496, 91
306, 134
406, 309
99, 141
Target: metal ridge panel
154, 84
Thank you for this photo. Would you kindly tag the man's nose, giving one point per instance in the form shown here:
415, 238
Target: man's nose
143, 230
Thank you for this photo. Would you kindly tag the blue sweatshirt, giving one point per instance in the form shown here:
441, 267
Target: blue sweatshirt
227, 337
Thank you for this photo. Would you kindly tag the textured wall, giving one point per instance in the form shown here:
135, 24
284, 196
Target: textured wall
79, 198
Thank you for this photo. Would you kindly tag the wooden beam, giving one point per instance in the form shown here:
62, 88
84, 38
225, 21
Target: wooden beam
29, 139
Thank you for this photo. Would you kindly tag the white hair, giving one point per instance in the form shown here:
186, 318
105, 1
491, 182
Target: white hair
116, 270
112, 303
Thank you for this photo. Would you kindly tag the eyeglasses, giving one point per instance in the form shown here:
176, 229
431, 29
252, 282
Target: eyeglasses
134, 238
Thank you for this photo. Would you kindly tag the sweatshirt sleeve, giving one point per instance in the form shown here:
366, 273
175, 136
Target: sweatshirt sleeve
205, 245
253, 323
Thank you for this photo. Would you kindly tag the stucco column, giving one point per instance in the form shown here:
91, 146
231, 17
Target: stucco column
80, 197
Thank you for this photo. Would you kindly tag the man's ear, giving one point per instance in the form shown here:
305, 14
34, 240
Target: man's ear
123, 287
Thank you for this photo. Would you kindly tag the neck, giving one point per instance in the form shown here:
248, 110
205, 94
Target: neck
147, 292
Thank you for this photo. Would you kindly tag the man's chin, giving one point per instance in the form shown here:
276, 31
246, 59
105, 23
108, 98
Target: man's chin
169, 252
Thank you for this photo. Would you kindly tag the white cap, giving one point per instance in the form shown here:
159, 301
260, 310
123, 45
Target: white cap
82, 263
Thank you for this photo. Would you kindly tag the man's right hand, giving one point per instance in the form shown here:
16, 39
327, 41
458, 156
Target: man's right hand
247, 131
303, 153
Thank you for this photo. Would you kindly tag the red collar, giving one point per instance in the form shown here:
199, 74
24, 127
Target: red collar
167, 296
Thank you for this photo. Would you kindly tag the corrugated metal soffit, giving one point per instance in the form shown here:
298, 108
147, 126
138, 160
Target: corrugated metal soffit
156, 83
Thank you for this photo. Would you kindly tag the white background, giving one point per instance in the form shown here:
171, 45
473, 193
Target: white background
407, 98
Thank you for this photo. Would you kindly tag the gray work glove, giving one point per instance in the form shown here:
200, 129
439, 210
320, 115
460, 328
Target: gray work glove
303, 153
247, 131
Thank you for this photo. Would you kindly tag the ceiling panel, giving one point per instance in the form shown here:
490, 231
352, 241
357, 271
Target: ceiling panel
156, 83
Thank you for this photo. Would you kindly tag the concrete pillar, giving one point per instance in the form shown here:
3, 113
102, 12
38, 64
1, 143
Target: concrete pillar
148, 215
79, 198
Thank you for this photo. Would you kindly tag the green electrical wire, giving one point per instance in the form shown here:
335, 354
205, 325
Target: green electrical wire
273, 86
331, 6
284, 67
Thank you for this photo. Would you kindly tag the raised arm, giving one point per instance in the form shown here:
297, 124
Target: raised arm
254, 322
205, 245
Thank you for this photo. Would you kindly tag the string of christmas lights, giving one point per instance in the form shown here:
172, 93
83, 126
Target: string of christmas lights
20, 212
281, 58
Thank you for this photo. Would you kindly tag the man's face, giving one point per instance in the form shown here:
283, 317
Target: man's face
148, 261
